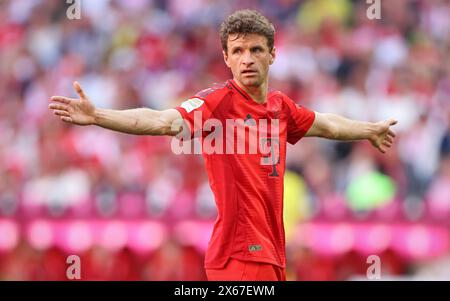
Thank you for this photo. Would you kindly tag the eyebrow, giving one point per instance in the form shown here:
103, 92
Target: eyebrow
259, 47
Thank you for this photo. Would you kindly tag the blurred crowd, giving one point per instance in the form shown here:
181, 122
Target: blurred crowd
154, 53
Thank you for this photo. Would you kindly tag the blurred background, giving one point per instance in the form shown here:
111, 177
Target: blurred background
132, 210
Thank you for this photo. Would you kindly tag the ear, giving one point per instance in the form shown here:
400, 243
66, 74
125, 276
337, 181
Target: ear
272, 55
225, 58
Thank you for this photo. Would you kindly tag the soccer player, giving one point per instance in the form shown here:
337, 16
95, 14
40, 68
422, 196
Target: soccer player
248, 240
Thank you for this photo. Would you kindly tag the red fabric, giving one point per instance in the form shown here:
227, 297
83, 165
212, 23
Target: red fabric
236, 270
248, 194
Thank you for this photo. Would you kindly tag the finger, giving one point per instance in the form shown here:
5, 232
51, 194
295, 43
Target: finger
389, 139
55, 106
379, 146
61, 99
66, 119
80, 92
393, 122
391, 133
61, 113
387, 144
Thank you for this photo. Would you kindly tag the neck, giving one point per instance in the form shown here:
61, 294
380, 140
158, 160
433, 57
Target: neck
257, 93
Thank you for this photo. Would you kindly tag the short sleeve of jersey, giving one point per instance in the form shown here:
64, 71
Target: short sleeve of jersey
300, 120
199, 108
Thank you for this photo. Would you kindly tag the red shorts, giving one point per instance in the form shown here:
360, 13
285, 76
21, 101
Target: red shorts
237, 270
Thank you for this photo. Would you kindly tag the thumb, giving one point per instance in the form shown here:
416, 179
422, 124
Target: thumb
392, 122
80, 92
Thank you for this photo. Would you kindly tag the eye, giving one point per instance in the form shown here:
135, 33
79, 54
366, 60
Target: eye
237, 51
257, 50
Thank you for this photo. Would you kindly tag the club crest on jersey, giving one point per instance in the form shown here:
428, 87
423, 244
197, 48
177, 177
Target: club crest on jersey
192, 104
254, 248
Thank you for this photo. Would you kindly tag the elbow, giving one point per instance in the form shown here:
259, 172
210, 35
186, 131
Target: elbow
140, 128
333, 132
325, 126
330, 131
162, 127
152, 125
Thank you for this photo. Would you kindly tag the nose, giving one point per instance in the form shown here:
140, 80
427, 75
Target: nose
247, 58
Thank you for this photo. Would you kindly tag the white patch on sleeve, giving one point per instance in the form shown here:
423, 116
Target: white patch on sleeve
192, 104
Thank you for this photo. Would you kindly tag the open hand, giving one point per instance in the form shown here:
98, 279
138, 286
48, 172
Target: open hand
76, 111
383, 136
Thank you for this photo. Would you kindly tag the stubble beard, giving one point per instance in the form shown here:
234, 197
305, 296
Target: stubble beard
253, 81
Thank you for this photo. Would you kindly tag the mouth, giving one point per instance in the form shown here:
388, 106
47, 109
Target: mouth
249, 72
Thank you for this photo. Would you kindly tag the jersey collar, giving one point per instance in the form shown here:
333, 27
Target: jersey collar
244, 94
236, 87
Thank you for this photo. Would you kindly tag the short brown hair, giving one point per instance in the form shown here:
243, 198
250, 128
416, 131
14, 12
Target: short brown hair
247, 21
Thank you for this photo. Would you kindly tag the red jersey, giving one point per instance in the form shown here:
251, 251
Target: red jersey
248, 188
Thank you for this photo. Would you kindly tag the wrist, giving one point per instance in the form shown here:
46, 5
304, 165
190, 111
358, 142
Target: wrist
96, 117
371, 130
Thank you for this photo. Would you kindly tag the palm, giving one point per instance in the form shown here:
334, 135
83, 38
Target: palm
77, 111
81, 111
383, 136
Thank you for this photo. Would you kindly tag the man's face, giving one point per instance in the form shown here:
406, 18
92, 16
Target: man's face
249, 58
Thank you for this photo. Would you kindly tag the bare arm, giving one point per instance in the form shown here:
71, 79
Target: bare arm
336, 127
140, 121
